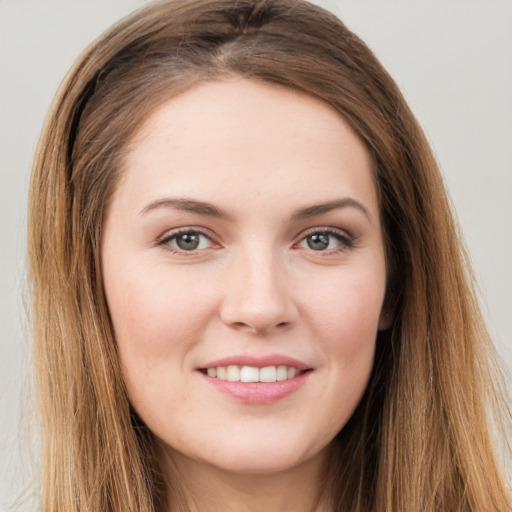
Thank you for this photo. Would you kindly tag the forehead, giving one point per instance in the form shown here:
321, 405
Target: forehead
253, 106
238, 135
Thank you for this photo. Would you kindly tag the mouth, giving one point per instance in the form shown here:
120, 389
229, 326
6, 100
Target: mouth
256, 380
236, 373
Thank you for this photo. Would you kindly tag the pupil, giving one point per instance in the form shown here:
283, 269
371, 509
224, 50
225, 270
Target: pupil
188, 241
318, 241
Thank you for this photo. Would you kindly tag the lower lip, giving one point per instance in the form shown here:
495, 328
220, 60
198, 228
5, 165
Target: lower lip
258, 392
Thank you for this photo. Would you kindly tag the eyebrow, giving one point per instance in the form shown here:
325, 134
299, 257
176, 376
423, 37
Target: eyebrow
336, 204
208, 209
187, 205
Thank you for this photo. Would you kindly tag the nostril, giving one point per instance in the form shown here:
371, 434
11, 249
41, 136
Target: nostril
258, 314
262, 329
256, 329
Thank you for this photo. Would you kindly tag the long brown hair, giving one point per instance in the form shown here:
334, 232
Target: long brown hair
420, 440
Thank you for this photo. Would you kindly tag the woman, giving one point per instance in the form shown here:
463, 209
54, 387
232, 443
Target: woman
248, 288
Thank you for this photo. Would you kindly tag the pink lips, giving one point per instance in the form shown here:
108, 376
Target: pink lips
259, 361
258, 392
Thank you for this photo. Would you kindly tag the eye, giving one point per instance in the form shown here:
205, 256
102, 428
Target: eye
186, 241
326, 240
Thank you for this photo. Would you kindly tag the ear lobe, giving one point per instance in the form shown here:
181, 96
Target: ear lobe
385, 319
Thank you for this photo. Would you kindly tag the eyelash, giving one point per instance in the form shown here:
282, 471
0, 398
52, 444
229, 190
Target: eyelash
345, 240
168, 238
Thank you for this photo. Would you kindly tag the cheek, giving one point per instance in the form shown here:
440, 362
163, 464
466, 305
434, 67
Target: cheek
345, 323
157, 322
349, 311
153, 312
155, 327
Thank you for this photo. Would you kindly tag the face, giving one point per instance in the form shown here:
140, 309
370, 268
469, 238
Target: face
245, 273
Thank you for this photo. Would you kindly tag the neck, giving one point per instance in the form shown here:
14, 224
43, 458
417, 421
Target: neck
209, 489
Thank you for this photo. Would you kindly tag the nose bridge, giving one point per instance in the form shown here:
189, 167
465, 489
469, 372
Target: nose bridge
258, 295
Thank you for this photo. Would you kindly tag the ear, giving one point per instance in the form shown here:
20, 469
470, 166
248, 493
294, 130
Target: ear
385, 319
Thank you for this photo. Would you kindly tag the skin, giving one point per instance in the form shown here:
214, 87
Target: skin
258, 153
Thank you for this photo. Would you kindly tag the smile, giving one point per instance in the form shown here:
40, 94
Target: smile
236, 373
251, 379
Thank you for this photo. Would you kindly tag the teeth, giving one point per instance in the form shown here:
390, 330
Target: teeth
281, 373
235, 373
249, 374
268, 374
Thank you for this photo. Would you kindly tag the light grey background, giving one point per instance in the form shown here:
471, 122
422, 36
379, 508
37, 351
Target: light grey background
452, 59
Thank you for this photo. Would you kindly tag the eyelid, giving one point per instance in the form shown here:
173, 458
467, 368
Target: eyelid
345, 238
163, 240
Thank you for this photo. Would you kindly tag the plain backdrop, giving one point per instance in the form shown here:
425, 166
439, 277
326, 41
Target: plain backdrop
451, 58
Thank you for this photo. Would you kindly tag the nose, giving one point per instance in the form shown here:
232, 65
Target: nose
258, 296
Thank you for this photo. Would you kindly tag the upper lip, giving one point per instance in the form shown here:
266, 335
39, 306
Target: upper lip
258, 361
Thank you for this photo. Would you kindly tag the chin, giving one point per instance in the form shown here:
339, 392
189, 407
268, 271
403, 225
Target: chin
264, 464
273, 457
